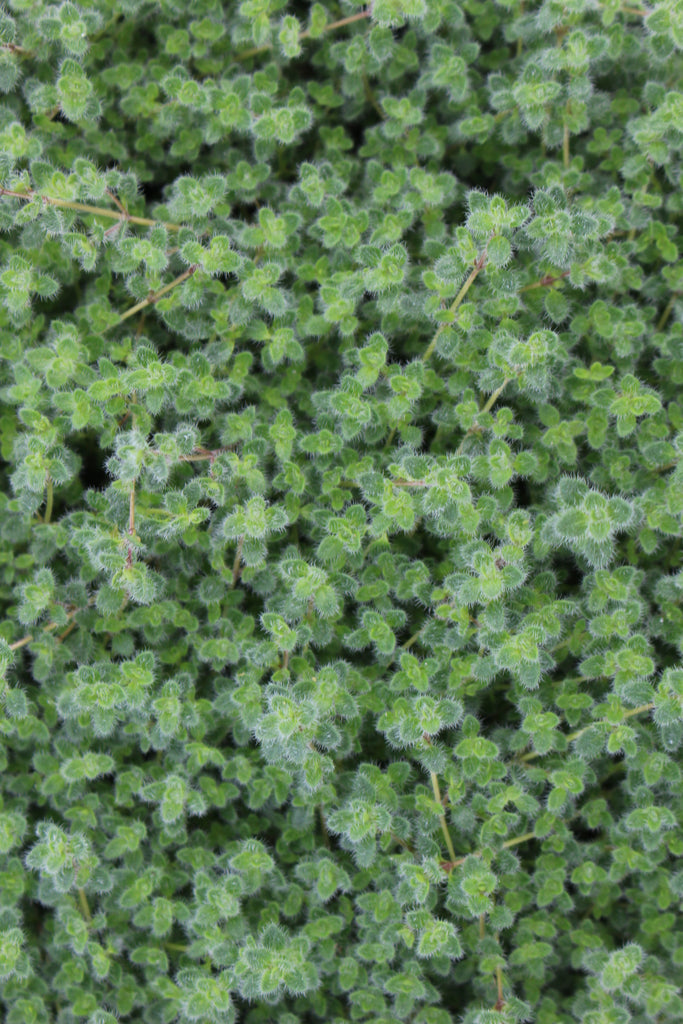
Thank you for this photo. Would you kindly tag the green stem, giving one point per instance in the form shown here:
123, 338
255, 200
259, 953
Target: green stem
302, 35
519, 839
519, 38
661, 323
545, 282
101, 211
323, 826
237, 564
442, 819
500, 1003
48, 500
370, 96
492, 399
50, 626
478, 267
85, 909
409, 643
402, 842
456, 862
157, 512
579, 732
565, 142
69, 629
155, 296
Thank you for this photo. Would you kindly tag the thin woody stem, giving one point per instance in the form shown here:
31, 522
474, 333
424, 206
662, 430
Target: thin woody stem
101, 211
339, 24
49, 497
442, 818
500, 1003
131, 525
69, 629
520, 839
85, 909
545, 282
20, 51
50, 626
661, 323
303, 35
409, 643
370, 96
478, 267
402, 842
323, 826
237, 564
492, 399
155, 296
565, 143
456, 862
117, 201
579, 732
197, 454
197, 458
409, 483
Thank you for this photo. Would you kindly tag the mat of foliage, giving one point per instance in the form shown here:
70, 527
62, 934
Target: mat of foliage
341, 512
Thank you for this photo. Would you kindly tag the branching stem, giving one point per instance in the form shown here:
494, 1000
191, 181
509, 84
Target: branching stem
448, 866
46, 629
579, 732
100, 211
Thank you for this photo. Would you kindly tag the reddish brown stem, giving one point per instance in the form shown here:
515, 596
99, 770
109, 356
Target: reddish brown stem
545, 282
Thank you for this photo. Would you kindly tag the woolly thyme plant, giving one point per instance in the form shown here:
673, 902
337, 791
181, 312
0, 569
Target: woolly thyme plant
341, 514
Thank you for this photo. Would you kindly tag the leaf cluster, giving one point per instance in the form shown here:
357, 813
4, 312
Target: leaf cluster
341, 351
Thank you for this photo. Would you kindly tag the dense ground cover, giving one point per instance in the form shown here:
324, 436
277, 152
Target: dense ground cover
341, 511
